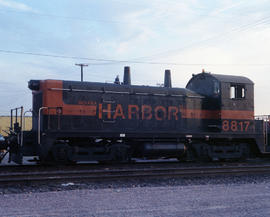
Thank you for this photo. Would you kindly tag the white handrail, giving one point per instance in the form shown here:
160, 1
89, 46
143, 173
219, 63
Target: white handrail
23, 125
39, 113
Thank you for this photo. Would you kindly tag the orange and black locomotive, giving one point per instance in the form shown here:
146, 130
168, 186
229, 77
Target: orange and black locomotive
212, 118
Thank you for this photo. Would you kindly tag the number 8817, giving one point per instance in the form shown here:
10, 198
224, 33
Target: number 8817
234, 126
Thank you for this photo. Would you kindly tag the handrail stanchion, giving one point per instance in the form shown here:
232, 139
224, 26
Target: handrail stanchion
39, 114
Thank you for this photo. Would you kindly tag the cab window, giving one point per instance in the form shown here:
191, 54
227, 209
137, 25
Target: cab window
237, 91
216, 87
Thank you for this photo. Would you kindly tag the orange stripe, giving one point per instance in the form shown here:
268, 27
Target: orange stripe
238, 115
55, 99
215, 114
200, 114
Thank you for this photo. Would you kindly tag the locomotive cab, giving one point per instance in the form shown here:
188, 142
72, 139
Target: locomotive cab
228, 100
227, 115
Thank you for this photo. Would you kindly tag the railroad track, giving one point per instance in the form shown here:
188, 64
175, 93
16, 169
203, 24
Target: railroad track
104, 173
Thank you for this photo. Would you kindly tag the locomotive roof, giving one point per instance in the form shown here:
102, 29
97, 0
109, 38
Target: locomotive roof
125, 89
224, 78
131, 88
232, 78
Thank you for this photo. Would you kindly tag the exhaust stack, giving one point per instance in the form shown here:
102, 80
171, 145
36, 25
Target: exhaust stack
127, 79
167, 78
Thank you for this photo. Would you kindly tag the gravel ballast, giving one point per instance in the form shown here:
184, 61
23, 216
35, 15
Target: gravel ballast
215, 196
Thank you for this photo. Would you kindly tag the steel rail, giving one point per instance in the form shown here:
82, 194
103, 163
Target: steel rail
107, 174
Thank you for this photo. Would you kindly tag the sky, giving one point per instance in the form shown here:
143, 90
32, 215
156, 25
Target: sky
44, 40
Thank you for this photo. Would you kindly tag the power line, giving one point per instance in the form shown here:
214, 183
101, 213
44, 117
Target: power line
209, 40
125, 61
54, 55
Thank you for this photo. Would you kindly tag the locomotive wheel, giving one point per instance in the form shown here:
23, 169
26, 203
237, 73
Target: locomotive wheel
204, 153
199, 152
245, 151
183, 156
120, 153
62, 153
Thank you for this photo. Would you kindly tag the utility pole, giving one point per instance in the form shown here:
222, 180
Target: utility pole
81, 65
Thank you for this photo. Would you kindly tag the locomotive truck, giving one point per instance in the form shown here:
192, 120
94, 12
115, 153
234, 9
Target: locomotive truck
211, 119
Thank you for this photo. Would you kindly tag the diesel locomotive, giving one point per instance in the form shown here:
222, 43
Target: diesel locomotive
211, 119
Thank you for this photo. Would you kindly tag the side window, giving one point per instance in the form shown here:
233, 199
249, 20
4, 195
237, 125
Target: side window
216, 87
232, 92
237, 91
